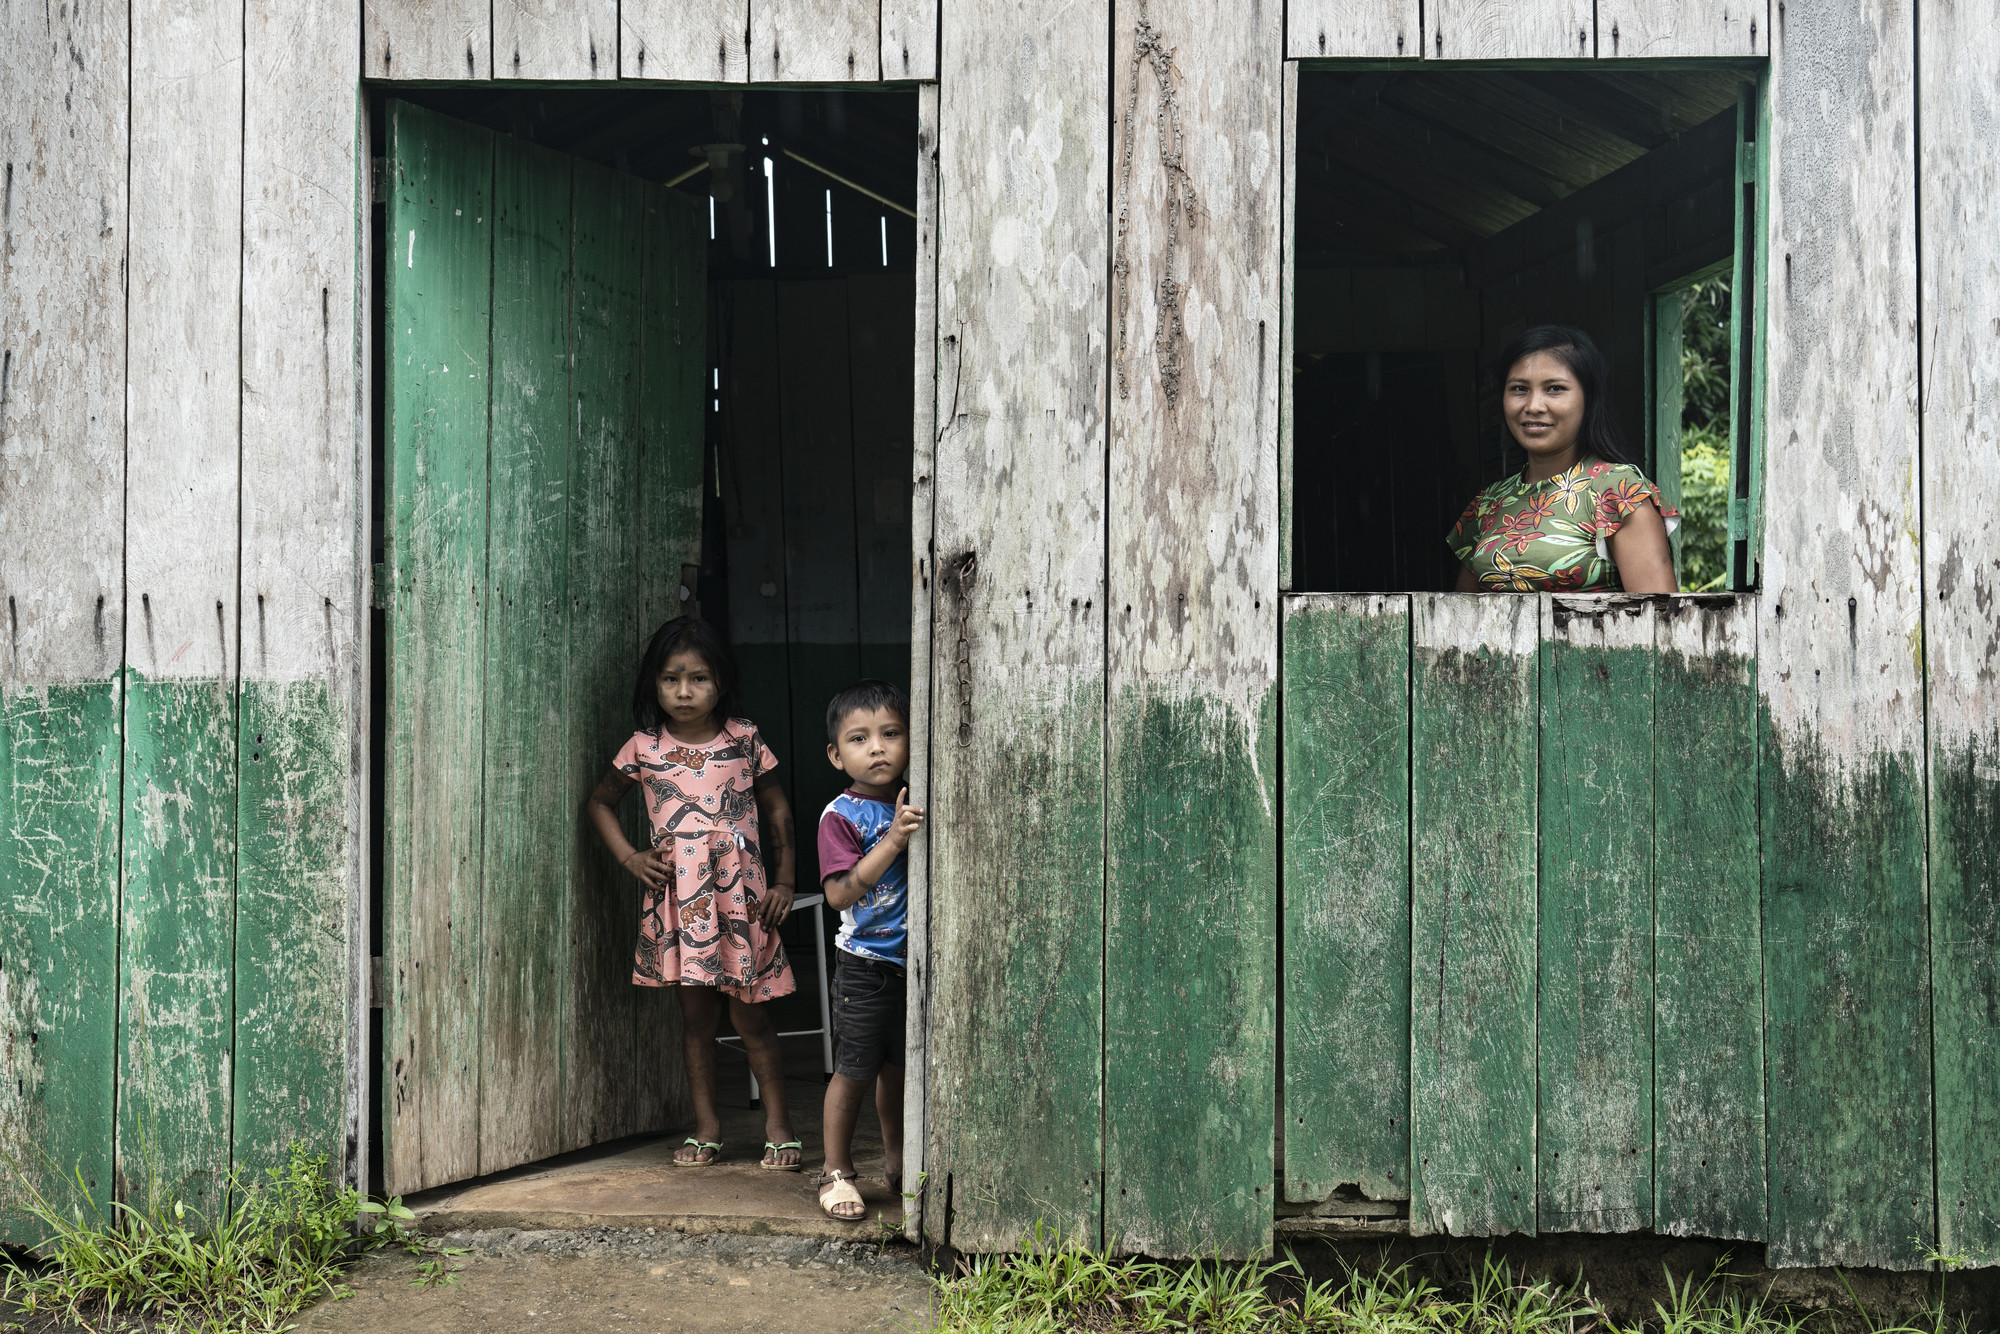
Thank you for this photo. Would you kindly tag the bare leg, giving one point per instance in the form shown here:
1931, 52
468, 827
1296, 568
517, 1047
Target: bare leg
889, 1107
841, 1111
767, 1062
701, 1012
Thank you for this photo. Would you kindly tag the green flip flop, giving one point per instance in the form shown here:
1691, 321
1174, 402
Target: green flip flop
713, 1148
770, 1148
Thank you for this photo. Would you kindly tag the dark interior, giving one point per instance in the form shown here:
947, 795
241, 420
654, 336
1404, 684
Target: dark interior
1440, 213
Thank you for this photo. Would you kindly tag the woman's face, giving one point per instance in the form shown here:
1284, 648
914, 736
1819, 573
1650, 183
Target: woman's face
688, 690
1543, 404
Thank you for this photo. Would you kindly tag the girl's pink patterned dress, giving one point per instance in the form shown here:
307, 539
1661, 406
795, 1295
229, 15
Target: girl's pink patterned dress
702, 930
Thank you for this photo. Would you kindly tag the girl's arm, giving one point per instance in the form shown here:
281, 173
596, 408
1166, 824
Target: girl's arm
847, 888
774, 814
601, 807
1468, 582
1639, 549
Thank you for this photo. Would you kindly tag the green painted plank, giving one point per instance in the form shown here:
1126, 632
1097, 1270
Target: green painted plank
59, 806
1346, 849
1190, 984
1017, 1019
1708, 1024
437, 309
1965, 971
599, 1078
293, 764
1473, 725
1594, 1028
673, 410
524, 868
1846, 1005
177, 940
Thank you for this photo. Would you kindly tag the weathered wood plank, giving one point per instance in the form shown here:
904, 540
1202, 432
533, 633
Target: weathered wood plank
1384, 29
1841, 773
878, 333
1346, 841
1960, 168
437, 304
555, 39
427, 39
177, 947
1594, 1025
1658, 29
1018, 777
1508, 29
1708, 1025
673, 407
694, 40
1190, 1023
919, 1200
910, 40
302, 790
62, 471
599, 1081
817, 41
1473, 723
524, 836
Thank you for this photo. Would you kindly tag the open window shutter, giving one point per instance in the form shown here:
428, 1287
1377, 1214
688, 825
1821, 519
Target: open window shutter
1664, 394
1746, 345
544, 333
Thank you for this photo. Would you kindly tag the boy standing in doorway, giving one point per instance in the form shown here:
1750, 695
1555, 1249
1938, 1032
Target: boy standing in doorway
864, 839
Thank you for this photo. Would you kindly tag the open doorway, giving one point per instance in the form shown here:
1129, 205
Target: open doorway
1442, 211
733, 274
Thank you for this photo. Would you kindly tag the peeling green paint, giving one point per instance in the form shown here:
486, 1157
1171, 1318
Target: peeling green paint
1190, 974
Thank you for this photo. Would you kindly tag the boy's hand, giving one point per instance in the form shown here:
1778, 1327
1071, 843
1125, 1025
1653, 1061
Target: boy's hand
776, 907
909, 819
649, 866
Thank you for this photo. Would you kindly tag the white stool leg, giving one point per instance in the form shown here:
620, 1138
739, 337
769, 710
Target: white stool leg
825, 1009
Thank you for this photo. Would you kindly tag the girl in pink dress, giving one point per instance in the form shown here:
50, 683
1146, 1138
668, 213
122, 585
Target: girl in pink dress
709, 925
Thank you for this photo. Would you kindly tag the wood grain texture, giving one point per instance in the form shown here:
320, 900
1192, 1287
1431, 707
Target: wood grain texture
1382, 29
1708, 1030
524, 836
1658, 29
1346, 841
693, 40
62, 351
427, 39
910, 41
437, 304
1190, 1023
922, 1203
1960, 169
1509, 29
181, 541
1594, 1021
1841, 771
555, 39
301, 792
673, 407
815, 41
1017, 851
1473, 722
599, 1079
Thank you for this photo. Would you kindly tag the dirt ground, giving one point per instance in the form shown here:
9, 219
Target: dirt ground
611, 1279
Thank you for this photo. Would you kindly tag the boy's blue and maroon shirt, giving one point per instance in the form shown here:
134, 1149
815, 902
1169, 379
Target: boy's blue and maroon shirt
877, 926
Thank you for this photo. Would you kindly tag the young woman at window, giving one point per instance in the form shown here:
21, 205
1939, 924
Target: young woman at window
1581, 517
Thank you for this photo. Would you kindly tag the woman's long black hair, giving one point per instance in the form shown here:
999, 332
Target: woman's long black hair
1577, 350
698, 636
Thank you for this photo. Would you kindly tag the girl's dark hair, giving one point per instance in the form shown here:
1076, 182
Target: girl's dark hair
1578, 351
697, 636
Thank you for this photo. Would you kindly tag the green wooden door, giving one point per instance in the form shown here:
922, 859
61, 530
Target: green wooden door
544, 337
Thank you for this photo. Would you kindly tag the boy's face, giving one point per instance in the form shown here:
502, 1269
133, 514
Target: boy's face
872, 750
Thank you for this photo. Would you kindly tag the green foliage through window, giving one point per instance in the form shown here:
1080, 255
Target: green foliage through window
1704, 531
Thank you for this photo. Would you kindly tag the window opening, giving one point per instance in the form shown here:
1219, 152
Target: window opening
771, 210
711, 217
1440, 212
885, 240
829, 229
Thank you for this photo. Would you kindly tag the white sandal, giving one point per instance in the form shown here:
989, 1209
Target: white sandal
837, 1187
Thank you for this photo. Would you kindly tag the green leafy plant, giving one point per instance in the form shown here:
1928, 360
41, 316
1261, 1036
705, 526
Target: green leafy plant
271, 1249
1704, 531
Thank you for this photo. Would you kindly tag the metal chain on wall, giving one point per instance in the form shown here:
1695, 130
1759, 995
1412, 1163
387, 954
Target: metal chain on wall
1169, 331
968, 570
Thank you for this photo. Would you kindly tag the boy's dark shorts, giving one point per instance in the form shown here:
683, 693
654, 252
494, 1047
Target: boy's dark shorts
867, 1015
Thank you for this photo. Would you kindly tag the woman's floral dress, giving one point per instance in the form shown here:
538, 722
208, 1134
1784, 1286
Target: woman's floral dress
1553, 536
702, 929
